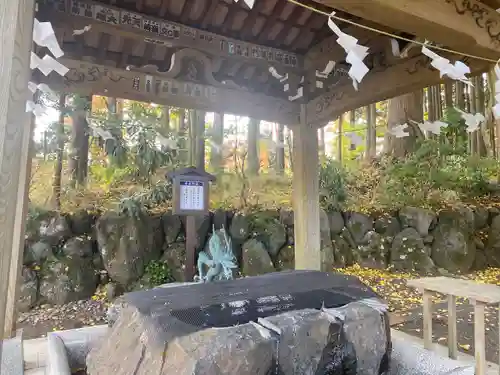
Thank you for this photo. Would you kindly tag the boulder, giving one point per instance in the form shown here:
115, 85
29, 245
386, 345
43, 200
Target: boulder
36, 253
78, 247
300, 322
388, 226
81, 222
327, 252
28, 292
418, 218
127, 244
175, 257
66, 280
255, 259
408, 252
343, 253
54, 229
286, 258
172, 227
287, 218
492, 251
273, 235
240, 228
453, 248
220, 219
336, 221
358, 225
373, 253
481, 217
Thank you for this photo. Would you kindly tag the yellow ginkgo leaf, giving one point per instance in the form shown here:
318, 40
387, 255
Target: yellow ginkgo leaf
464, 346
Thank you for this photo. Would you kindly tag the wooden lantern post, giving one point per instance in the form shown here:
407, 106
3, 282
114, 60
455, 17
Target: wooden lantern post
190, 198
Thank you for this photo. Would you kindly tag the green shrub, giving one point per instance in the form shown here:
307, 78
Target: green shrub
332, 185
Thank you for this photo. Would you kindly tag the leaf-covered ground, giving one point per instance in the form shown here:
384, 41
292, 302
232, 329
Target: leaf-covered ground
405, 304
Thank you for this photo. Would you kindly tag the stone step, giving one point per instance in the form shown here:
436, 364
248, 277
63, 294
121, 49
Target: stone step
12, 356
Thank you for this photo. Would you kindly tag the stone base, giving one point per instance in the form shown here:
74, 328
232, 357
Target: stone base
168, 335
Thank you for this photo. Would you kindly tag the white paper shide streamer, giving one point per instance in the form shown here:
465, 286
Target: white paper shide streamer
433, 127
81, 31
44, 36
472, 120
355, 53
398, 131
249, 3
455, 71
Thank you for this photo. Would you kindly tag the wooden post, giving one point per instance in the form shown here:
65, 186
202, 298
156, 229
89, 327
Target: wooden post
191, 244
479, 338
427, 319
306, 196
16, 26
452, 327
16, 261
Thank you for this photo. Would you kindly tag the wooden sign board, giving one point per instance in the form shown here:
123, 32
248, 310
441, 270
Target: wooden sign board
191, 191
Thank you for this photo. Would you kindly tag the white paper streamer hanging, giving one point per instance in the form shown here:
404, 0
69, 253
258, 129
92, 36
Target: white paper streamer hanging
300, 93
455, 71
47, 65
398, 131
44, 36
355, 52
325, 72
104, 134
433, 127
37, 109
355, 138
33, 87
81, 31
275, 74
249, 3
472, 121
166, 142
396, 51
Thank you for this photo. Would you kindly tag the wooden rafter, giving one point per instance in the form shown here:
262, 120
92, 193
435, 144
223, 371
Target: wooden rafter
233, 9
248, 24
271, 20
186, 11
292, 20
209, 14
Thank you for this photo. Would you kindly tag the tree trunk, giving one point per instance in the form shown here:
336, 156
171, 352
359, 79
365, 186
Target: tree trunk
482, 138
183, 134
289, 142
459, 95
340, 134
492, 124
217, 142
79, 150
280, 151
56, 178
165, 121
400, 110
200, 139
192, 137
253, 148
448, 94
371, 131
431, 104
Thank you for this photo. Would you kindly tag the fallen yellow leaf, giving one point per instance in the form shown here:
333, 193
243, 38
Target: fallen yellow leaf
464, 346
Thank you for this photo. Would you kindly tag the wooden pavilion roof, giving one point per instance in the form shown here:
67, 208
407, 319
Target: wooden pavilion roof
225, 45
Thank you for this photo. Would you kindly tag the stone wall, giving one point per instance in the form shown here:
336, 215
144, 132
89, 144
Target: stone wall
67, 256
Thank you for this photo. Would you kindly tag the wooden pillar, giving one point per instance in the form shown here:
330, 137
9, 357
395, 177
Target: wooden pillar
16, 261
306, 196
16, 27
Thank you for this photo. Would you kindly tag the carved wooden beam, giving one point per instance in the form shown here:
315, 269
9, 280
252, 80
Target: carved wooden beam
380, 84
114, 21
466, 25
87, 78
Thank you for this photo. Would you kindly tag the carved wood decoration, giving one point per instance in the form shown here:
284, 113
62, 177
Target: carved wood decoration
379, 84
87, 78
76, 14
465, 25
